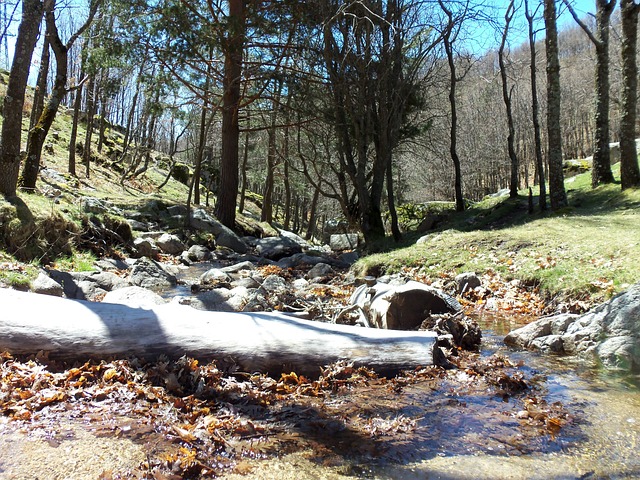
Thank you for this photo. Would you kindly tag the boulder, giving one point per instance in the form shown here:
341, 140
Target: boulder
402, 307
274, 284
87, 285
319, 270
344, 241
225, 237
215, 275
199, 253
148, 273
275, 248
134, 296
46, 285
610, 333
145, 247
170, 244
467, 281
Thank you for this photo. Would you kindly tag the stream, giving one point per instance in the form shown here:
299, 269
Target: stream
443, 428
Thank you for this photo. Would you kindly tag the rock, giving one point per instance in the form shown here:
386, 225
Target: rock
225, 237
467, 281
199, 253
246, 282
213, 300
610, 333
94, 205
149, 274
344, 241
134, 296
170, 244
145, 247
300, 284
112, 264
238, 267
215, 275
44, 284
177, 210
137, 225
402, 307
275, 248
319, 270
87, 285
274, 284
349, 258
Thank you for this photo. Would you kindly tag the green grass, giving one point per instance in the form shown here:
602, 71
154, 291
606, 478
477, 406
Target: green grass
589, 250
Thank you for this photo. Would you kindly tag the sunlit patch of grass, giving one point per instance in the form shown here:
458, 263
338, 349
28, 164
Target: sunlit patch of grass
78, 262
589, 250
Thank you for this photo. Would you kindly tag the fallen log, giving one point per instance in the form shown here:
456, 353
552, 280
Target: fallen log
74, 330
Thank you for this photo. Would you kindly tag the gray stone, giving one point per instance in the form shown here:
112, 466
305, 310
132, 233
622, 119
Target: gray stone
177, 210
300, 284
274, 284
238, 267
610, 333
344, 241
87, 285
134, 296
199, 253
170, 244
145, 247
44, 284
213, 300
225, 237
214, 275
275, 248
467, 281
349, 258
137, 225
246, 282
320, 270
148, 273
94, 205
112, 264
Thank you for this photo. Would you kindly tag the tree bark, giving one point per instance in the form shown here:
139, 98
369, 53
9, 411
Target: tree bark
40, 92
629, 171
506, 97
557, 192
267, 342
228, 189
535, 111
10, 141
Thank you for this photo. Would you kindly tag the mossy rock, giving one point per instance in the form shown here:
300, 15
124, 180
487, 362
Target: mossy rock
181, 173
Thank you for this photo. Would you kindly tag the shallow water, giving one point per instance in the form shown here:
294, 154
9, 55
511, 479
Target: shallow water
452, 432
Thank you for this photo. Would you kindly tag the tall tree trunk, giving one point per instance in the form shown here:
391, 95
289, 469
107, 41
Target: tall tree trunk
266, 214
77, 104
535, 111
243, 169
447, 40
38, 133
506, 97
14, 99
86, 152
557, 192
629, 171
40, 91
228, 189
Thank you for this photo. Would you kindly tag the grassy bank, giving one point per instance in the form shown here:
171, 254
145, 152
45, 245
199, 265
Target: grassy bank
589, 250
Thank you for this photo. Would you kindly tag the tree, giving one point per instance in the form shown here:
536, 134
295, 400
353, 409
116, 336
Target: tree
535, 110
557, 193
629, 171
601, 171
38, 133
449, 36
506, 96
14, 100
233, 49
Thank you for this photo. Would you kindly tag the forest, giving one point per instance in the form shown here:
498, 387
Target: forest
174, 174
327, 109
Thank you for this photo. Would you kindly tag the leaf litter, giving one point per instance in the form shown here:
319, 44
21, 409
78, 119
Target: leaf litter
200, 420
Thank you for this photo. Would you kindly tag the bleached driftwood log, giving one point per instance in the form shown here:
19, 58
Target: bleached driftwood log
265, 342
